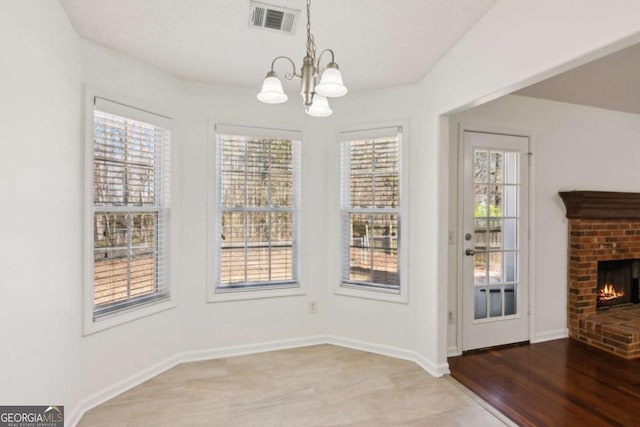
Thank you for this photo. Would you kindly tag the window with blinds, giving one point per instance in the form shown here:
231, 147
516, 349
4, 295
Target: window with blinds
257, 208
371, 209
130, 209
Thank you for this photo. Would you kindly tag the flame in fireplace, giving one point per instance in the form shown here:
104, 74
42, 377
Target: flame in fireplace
608, 292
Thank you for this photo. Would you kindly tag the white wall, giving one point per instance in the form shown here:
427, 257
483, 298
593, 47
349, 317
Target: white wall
40, 183
574, 148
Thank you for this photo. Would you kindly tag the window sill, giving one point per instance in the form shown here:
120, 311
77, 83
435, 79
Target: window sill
91, 326
247, 294
372, 293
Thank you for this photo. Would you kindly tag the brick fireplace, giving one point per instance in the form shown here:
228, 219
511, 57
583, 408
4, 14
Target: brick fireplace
603, 227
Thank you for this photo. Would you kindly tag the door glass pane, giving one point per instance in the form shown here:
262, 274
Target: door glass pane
495, 168
496, 221
510, 233
510, 267
495, 268
481, 224
510, 200
495, 201
509, 300
480, 303
480, 205
495, 301
481, 242
480, 269
511, 164
495, 234
481, 167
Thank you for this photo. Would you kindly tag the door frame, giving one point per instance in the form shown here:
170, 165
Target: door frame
463, 127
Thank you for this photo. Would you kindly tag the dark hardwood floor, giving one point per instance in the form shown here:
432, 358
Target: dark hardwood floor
555, 383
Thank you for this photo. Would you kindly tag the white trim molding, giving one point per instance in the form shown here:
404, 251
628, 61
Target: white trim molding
384, 129
398, 353
75, 415
453, 351
243, 350
269, 289
107, 101
435, 369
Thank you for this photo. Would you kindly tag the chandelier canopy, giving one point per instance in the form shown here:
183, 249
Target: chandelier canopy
314, 93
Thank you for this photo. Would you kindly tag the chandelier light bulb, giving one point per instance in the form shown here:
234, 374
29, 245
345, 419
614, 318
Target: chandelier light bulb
331, 82
319, 107
272, 92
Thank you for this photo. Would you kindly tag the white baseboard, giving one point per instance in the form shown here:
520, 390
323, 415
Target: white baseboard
398, 353
120, 387
241, 350
550, 335
437, 370
74, 416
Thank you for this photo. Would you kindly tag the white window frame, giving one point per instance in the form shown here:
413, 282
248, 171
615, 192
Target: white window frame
152, 305
375, 131
215, 293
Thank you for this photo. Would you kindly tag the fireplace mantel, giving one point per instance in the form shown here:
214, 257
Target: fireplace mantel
601, 204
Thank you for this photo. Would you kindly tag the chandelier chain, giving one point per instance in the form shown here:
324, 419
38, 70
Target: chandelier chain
311, 45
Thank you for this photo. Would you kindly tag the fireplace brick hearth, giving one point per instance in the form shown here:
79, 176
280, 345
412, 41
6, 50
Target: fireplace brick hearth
602, 227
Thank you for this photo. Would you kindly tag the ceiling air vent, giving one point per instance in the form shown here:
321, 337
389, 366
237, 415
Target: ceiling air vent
275, 18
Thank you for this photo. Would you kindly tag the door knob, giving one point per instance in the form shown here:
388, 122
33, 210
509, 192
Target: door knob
469, 252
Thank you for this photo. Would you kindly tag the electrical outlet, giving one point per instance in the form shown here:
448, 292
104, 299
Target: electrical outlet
450, 317
313, 307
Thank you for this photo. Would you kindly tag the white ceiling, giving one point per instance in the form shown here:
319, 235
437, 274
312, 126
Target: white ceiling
378, 43
611, 82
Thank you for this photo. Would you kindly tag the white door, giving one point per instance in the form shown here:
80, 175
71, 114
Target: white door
494, 239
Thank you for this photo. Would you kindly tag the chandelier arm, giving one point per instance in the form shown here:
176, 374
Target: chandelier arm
320, 70
292, 74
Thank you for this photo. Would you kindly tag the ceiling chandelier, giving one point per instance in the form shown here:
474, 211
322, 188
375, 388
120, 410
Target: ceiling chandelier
314, 92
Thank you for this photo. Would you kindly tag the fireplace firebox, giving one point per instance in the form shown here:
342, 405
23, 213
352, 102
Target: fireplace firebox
617, 283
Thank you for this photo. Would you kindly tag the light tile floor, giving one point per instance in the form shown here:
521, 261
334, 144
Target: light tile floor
322, 385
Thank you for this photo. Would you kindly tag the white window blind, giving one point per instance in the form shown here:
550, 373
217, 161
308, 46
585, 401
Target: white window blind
131, 205
257, 199
371, 208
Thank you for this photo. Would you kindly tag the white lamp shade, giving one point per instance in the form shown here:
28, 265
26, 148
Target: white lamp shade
272, 92
319, 107
331, 83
